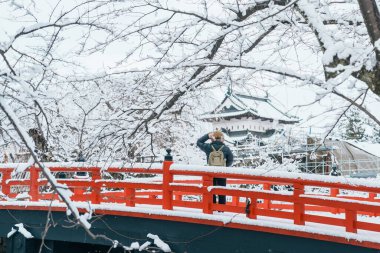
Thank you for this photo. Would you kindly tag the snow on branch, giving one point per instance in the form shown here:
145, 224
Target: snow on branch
246, 65
163, 246
20, 228
333, 45
62, 190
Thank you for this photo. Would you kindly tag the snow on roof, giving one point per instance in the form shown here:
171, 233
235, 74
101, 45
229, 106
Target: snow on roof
224, 114
372, 148
235, 104
265, 108
232, 139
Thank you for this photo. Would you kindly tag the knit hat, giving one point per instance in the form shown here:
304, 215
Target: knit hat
218, 135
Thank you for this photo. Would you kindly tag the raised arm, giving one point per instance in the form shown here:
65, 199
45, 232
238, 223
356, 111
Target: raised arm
201, 142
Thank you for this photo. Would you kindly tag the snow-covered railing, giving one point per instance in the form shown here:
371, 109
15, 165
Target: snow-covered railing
292, 196
349, 196
85, 188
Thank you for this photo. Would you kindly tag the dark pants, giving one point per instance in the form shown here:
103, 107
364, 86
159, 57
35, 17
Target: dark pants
220, 182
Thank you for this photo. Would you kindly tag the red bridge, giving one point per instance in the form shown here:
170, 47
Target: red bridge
266, 211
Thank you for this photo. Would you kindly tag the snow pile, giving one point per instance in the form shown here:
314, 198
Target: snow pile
23, 195
145, 245
157, 241
133, 246
21, 230
163, 246
84, 220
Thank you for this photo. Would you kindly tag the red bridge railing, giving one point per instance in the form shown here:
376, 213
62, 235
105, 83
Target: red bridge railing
303, 198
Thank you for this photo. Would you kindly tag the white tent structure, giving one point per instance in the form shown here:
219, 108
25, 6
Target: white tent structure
354, 158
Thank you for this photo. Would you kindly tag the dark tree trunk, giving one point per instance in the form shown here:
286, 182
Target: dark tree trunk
371, 17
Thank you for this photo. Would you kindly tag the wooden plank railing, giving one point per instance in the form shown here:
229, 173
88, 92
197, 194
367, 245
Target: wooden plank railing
168, 191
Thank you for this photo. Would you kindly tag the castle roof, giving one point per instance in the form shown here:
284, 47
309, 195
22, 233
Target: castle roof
236, 105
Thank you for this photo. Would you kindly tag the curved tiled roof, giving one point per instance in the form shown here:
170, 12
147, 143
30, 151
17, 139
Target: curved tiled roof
238, 105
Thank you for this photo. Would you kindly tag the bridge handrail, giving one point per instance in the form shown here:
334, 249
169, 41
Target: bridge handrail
84, 165
275, 176
297, 200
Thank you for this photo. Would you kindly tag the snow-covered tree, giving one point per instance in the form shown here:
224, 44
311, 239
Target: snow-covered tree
115, 78
107, 78
353, 126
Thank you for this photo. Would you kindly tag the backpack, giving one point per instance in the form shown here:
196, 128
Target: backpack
216, 157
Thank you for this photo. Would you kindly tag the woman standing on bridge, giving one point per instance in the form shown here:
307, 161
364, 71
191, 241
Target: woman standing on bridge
218, 154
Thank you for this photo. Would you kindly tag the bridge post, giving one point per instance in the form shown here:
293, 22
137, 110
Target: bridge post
167, 194
207, 197
251, 208
235, 200
17, 243
95, 198
266, 202
299, 207
371, 197
333, 193
34, 183
351, 221
5, 188
129, 195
